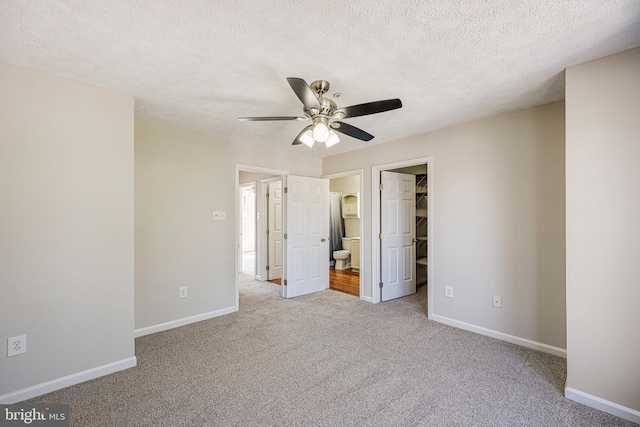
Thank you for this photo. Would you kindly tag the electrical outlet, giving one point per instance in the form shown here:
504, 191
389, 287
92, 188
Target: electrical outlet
183, 292
16, 345
448, 291
219, 215
497, 301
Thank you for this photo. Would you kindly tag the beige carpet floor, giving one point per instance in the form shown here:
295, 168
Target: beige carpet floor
328, 359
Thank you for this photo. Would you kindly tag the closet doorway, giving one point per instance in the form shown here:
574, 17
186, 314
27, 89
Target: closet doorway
345, 230
402, 266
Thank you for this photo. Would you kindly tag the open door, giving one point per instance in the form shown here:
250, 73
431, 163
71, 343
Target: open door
398, 227
274, 230
307, 236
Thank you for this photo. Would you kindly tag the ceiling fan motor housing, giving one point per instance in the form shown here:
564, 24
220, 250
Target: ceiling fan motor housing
327, 107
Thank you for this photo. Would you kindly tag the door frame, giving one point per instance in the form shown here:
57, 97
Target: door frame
375, 225
363, 260
238, 216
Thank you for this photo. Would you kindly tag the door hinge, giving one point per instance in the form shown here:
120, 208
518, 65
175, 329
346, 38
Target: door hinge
380, 187
286, 189
267, 195
380, 236
267, 231
381, 284
285, 235
267, 268
285, 282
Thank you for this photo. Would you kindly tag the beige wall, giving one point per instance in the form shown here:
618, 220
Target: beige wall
345, 184
66, 228
181, 177
255, 177
498, 219
603, 228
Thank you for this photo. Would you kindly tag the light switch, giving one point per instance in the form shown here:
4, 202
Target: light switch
219, 215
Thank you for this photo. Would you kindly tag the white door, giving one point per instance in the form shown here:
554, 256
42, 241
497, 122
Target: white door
307, 240
398, 227
274, 230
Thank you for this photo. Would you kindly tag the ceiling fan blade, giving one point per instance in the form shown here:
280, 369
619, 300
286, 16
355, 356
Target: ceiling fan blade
264, 119
353, 131
370, 108
304, 92
297, 140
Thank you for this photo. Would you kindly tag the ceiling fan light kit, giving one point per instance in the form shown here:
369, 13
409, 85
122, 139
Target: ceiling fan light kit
307, 138
320, 132
325, 114
332, 139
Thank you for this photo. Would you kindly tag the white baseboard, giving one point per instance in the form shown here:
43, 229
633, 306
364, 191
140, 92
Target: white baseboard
182, 322
366, 299
67, 381
602, 405
557, 351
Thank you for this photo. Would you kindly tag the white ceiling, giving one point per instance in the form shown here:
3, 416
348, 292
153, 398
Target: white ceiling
201, 64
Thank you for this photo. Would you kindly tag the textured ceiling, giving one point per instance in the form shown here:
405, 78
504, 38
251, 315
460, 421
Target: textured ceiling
201, 64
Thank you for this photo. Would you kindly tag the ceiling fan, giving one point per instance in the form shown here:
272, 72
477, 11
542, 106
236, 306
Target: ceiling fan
325, 115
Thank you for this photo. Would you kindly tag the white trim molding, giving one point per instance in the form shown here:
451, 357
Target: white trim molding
545, 348
67, 381
602, 405
182, 322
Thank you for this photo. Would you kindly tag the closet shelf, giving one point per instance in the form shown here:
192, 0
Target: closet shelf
421, 238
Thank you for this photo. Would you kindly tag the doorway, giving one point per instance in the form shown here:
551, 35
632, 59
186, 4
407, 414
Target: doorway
345, 232
252, 177
419, 216
304, 252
